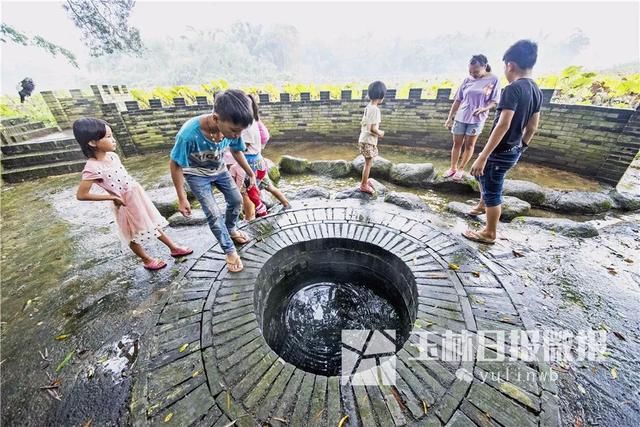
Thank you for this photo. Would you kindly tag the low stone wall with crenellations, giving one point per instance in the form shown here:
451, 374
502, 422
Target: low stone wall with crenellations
595, 142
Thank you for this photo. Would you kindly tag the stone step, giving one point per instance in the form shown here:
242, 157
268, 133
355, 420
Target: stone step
39, 146
13, 121
21, 128
25, 174
41, 158
34, 133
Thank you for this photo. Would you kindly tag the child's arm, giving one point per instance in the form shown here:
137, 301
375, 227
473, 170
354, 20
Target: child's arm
452, 113
242, 161
494, 139
530, 129
374, 130
178, 182
84, 194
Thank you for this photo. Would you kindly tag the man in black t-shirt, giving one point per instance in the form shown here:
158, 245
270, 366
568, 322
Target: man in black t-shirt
517, 118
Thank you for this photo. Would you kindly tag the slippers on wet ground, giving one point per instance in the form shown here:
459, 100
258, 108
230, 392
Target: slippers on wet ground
476, 212
181, 252
476, 237
368, 189
156, 264
235, 266
240, 238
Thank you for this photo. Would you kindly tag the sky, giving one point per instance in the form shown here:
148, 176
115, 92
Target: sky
612, 27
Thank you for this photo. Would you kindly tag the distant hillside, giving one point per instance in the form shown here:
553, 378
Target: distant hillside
628, 68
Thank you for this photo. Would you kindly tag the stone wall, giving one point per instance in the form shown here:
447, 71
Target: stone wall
595, 142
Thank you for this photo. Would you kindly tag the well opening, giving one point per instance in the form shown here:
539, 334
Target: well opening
309, 292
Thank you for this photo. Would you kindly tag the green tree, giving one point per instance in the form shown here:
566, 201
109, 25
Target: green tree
105, 25
10, 34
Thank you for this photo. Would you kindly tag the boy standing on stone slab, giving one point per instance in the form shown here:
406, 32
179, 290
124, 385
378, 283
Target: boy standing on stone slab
197, 157
370, 132
517, 118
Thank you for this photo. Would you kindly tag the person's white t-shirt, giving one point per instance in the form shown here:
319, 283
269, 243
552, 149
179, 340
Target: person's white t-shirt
370, 117
251, 138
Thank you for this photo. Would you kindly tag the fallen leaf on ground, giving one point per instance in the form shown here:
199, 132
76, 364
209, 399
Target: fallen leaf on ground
612, 271
453, 267
614, 373
65, 360
628, 260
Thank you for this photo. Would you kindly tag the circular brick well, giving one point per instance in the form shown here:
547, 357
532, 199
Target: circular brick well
206, 361
307, 293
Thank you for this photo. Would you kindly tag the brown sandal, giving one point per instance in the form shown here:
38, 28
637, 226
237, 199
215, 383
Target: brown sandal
240, 238
476, 237
236, 266
476, 212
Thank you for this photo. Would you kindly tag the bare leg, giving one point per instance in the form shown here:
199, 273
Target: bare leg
278, 194
469, 146
366, 170
248, 207
493, 216
167, 241
139, 251
458, 141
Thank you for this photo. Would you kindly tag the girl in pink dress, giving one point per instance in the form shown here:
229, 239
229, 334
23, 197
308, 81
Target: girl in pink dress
137, 218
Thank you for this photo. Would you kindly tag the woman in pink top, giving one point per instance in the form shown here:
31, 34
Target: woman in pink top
137, 218
477, 94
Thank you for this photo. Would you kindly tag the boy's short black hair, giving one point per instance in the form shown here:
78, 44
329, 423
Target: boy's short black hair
523, 53
376, 90
234, 106
89, 129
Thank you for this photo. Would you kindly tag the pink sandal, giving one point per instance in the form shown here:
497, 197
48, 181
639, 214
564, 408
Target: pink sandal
368, 189
449, 173
156, 264
181, 252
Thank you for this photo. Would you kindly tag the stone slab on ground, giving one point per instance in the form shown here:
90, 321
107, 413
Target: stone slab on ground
381, 167
563, 226
511, 208
197, 218
332, 168
625, 201
524, 190
406, 200
578, 202
467, 184
293, 165
412, 174
309, 192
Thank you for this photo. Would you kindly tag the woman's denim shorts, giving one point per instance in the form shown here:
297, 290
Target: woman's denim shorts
471, 129
492, 180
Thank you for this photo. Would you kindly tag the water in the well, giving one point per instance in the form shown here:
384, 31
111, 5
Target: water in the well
305, 327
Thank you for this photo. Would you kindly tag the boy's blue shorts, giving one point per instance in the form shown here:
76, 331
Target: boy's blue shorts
492, 180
